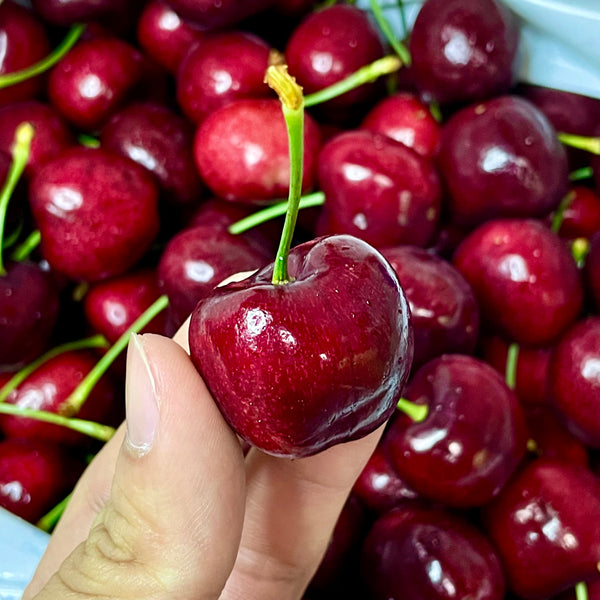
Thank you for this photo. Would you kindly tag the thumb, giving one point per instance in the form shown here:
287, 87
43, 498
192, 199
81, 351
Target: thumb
172, 525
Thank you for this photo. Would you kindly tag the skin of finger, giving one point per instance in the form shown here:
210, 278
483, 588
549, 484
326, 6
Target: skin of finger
173, 522
291, 509
89, 496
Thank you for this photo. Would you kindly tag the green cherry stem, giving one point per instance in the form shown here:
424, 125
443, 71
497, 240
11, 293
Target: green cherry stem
50, 519
580, 248
11, 239
512, 358
27, 246
89, 141
367, 74
20, 155
583, 173
417, 412
581, 591
79, 395
96, 341
292, 105
46, 63
399, 48
581, 142
274, 211
559, 215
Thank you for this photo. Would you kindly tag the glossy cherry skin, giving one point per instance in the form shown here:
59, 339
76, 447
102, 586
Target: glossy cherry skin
329, 351
34, 476
377, 189
52, 134
221, 68
519, 270
160, 140
113, 305
164, 35
330, 44
501, 158
545, 527
96, 211
575, 379
420, 553
241, 151
444, 310
472, 439
24, 42
197, 259
29, 303
581, 217
47, 388
92, 81
406, 119
218, 15
463, 50
67, 12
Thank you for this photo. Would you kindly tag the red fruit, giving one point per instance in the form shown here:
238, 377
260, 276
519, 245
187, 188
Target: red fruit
581, 218
68, 12
218, 15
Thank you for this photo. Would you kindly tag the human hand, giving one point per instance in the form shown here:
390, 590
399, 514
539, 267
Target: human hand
170, 508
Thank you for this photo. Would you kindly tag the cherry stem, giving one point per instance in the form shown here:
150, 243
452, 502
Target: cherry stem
79, 395
47, 62
367, 74
89, 141
25, 248
559, 215
292, 105
274, 211
581, 591
512, 358
50, 519
96, 341
89, 428
417, 412
20, 155
401, 8
11, 239
580, 248
581, 142
583, 173
399, 48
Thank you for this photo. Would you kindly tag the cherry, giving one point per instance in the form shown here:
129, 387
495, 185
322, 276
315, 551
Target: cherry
444, 310
501, 158
575, 379
52, 134
581, 214
406, 119
329, 45
592, 269
544, 525
25, 42
34, 475
519, 270
217, 15
417, 553
221, 68
97, 212
241, 151
463, 50
377, 189
94, 79
67, 12
164, 35
161, 141
29, 303
473, 436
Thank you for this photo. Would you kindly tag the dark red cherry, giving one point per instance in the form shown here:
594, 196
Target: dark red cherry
111, 13
545, 525
113, 305
463, 50
29, 303
34, 476
161, 141
575, 379
519, 270
501, 158
96, 211
220, 69
164, 35
443, 307
330, 44
92, 81
472, 439
592, 269
24, 43
47, 388
418, 553
406, 119
581, 217
378, 190
218, 15
241, 151
52, 134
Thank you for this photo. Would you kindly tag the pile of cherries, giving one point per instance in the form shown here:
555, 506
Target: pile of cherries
139, 147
